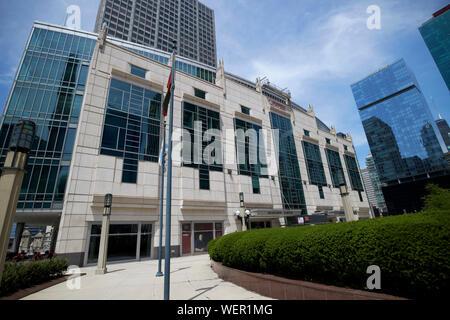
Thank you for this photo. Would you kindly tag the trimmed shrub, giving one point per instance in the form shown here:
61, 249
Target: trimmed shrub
412, 251
438, 199
21, 275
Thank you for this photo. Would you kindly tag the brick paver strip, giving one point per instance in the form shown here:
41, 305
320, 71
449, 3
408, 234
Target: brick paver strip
27, 291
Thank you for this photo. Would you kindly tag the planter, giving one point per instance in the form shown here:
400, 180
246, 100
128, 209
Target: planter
286, 289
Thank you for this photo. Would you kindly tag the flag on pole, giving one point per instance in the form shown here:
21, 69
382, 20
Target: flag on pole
167, 97
162, 155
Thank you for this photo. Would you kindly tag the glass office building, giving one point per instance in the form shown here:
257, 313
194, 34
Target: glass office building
403, 138
436, 34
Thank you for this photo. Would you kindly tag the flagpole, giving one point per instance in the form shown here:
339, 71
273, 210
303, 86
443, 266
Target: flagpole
161, 201
169, 185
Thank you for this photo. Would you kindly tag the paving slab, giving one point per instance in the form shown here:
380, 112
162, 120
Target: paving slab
191, 279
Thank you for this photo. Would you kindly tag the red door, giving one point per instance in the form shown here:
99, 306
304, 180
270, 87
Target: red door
186, 239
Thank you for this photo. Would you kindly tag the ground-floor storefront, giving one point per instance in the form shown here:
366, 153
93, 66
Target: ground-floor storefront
195, 236
126, 241
135, 241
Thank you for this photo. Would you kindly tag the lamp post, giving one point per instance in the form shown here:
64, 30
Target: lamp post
345, 195
169, 184
11, 180
103, 250
161, 202
242, 211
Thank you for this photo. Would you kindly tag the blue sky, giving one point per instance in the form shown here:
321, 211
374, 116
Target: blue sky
316, 48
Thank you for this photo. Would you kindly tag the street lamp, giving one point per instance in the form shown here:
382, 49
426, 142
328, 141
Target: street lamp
22, 138
242, 211
103, 250
345, 195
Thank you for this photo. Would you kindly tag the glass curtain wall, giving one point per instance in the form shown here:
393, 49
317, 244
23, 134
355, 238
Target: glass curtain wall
48, 90
289, 170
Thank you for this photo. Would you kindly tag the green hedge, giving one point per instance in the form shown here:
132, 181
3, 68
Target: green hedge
413, 252
21, 275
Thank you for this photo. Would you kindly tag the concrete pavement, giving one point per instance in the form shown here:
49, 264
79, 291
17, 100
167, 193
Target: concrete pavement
191, 279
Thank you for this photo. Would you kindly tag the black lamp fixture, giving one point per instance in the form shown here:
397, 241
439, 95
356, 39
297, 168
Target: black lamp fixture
241, 198
108, 203
22, 136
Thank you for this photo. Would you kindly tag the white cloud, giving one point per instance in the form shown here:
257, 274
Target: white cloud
7, 78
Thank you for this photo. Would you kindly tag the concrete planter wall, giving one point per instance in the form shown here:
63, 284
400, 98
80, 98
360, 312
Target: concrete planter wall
286, 289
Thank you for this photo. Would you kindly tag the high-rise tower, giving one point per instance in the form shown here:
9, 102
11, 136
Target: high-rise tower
157, 23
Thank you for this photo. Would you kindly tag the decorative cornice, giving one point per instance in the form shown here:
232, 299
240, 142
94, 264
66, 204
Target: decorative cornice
331, 147
246, 117
200, 101
350, 154
309, 139
156, 86
127, 202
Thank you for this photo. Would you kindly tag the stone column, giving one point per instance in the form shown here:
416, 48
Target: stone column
10, 183
18, 236
103, 250
348, 209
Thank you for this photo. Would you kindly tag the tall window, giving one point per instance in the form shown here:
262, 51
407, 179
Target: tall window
205, 119
250, 152
353, 173
314, 165
290, 178
335, 166
132, 126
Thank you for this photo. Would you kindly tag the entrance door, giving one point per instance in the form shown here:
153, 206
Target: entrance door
186, 238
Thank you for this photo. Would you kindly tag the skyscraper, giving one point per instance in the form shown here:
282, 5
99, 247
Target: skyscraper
368, 187
402, 135
376, 184
445, 132
157, 23
436, 34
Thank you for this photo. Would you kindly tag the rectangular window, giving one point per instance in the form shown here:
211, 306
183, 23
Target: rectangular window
209, 120
132, 124
130, 170
199, 93
345, 148
255, 185
314, 165
245, 110
306, 133
328, 141
321, 194
138, 71
291, 185
335, 166
204, 178
353, 172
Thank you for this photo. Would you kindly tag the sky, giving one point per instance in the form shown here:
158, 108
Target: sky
315, 48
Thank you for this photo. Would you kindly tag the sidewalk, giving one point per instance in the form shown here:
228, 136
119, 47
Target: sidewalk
191, 279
